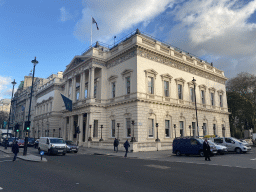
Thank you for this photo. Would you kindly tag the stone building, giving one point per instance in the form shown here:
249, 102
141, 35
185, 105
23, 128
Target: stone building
5, 105
125, 91
48, 105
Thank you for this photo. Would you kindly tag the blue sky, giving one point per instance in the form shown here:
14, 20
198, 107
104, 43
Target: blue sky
222, 32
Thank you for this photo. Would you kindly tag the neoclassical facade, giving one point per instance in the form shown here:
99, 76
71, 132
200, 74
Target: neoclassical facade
142, 88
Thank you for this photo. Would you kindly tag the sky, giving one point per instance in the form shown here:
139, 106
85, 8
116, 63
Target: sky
54, 31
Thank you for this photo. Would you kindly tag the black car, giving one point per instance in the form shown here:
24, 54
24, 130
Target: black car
71, 147
31, 141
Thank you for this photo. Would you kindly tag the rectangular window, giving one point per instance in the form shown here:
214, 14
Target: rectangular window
77, 95
86, 92
167, 128
214, 129
70, 89
181, 129
150, 85
113, 128
95, 90
212, 99
150, 127
202, 96
221, 104
113, 89
128, 127
194, 128
204, 129
166, 88
192, 94
128, 84
95, 128
180, 91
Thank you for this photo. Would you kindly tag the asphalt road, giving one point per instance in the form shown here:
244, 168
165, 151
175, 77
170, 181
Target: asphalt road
75, 172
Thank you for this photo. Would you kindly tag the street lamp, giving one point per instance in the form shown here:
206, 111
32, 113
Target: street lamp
35, 62
190, 129
157, 139
13, 84
101, 133
175, 129
133, 138
194, 82
90, 138
118, 125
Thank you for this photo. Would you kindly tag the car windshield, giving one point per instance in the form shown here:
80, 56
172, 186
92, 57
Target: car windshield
31, 139
235, 139
21, 140
57, 141
70, 143
11, 139
212, 143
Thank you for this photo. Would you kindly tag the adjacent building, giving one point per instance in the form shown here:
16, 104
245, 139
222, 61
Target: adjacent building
5, 105
141, 89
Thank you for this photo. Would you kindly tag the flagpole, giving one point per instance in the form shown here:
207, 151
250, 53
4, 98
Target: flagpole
91, 31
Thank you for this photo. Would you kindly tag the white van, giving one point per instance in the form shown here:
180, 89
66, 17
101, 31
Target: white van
52, 145
232, 144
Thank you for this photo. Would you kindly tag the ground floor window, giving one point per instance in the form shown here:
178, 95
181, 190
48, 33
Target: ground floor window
113, 128
194, 128
150, 127
214, 129
223, 130
128, 127
204, 129
167, 128
181, 129
95, 128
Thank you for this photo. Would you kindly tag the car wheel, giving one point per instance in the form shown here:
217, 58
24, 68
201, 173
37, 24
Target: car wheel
75, 151
178, 153
64, 154
238, 150
201, 153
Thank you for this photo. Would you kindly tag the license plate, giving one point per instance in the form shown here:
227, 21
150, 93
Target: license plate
60, 150
73, 149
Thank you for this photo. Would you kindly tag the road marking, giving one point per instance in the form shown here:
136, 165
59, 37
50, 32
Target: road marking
1, 188
4, 161
253, 159
158, 166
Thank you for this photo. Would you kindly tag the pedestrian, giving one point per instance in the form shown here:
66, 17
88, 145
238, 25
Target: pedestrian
126, 146
15, 150
116, 143
206, 149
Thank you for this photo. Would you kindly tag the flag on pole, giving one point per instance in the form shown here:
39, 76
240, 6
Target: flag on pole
67, 102
93, 21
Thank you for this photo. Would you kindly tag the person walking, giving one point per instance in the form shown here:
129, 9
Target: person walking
126, 146
15, 150
206, 149
116, 143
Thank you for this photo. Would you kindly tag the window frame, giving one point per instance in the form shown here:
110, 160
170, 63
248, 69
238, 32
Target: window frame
167, 128
113, 127
128, 126
151, 127
181, 128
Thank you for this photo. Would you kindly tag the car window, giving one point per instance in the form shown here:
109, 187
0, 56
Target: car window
228, 140
220, 140
57, 141
193, 142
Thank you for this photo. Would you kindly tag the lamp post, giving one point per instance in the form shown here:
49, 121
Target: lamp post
190, 129
59, 132
133, 138
52, 133
13, 84
90, 138
35, 62
194, 82
118, 125
101, 133
175, 129
157, 139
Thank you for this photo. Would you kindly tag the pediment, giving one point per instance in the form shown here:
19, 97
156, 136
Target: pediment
112, 77
212, 89
151, 71
220, 91
180, 79
75, 62
190, 83
203, 86
126, 71
167, 76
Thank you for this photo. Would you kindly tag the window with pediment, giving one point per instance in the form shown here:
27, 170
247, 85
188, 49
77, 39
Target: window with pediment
192, 86
112, 80
212, 96
202, 89
150, 79
180, 87
220, 93
126, 74
166, 80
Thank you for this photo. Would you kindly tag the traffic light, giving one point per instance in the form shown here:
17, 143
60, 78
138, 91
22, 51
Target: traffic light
27, 126
17, 129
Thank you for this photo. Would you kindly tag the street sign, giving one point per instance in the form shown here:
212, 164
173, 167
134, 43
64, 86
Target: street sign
41, 152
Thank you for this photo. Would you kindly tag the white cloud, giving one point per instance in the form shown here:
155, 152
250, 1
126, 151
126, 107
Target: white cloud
4, 83
65, 15
115, 16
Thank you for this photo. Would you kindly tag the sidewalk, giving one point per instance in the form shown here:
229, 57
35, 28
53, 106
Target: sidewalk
28, 157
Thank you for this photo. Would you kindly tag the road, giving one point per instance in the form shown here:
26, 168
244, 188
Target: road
81, 172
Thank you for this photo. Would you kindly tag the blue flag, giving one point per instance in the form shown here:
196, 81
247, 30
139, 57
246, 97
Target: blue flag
67, 102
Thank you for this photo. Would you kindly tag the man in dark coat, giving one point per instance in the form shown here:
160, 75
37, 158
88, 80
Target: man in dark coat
206, 149
116, 143
15, 150
126, 146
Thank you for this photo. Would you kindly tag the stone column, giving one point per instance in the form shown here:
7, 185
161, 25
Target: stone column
64, 131
73, 95
80, 124
82, 85
71, 125
91, 83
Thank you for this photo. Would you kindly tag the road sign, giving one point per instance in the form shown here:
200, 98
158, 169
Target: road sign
41, 152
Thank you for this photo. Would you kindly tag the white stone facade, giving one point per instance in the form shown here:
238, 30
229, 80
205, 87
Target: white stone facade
143, 81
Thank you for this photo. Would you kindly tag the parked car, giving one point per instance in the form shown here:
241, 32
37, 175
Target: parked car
190, 146
21, 142
31, 141
52, 145
220, 149
71, 147
232, 144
